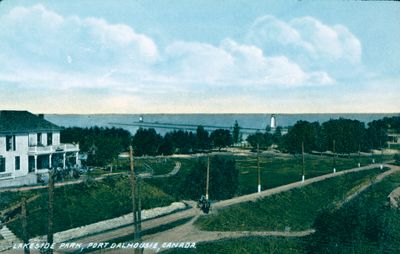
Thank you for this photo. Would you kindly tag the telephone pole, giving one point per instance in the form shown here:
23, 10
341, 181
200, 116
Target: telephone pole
50, 211
380, 142
302, 152
139, 211
258, 168
359, 155
24, 225
208, 176
136, 234
334, 156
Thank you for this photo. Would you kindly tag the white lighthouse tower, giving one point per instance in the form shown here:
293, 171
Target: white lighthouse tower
273, 122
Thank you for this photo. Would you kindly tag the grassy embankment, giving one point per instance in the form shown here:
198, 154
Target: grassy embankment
366, 224
275, 171
82, 204
293, 210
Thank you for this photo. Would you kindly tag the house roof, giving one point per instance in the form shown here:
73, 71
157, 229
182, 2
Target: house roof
23, 121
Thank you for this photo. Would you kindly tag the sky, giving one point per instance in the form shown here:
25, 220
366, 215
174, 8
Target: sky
169, 56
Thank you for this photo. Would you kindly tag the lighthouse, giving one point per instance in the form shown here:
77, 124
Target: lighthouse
273, 121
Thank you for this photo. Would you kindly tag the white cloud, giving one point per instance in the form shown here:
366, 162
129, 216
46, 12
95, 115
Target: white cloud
45, 38
232, 63
64, 52
305, 37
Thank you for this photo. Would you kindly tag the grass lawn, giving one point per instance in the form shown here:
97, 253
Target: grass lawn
291, 210
253, 245
364, 225
277, 171
367, 224
82, 204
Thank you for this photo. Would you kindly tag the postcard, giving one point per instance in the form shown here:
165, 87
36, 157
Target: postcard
199, 126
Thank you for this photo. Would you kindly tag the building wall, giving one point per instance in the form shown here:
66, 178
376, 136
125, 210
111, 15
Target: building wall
21, 150
22, 144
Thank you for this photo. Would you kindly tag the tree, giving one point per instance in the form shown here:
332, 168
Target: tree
277, 136
167, 145
202, 139
183, 141
302, 131
348, 134
263, 140
224, 178
236, 133
221, 138
146, 142
101, 144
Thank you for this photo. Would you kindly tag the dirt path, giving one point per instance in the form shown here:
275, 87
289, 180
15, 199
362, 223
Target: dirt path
173, 172
380, 177
28, 188
188, 232
255, 196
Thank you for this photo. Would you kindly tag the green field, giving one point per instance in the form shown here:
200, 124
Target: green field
366, 224
82, 204
293, 210
276, 170
250, 245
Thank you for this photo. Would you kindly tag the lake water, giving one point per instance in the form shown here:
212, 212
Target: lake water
257, 121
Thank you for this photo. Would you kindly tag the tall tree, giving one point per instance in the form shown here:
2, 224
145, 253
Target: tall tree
263, 140
146, 142
202, 139
236, 133
302, 131
221, 138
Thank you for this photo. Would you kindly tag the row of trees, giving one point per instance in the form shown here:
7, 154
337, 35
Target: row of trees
349, 135
149, 142
104, 144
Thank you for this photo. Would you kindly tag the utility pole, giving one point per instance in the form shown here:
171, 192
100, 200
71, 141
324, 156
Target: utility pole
139, 211
258, 168
50, 211
208, 177
359, 155
302, 152
133, 195
334, 156
380, 142
24, 225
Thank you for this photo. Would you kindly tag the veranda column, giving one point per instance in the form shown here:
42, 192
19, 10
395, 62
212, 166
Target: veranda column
35, 166
50, 157
76, 158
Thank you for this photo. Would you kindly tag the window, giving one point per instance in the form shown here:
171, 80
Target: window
10, 143
49, 139
39, 139
17, 163
2, 164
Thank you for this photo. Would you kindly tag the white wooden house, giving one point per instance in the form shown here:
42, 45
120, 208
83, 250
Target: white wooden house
30, 146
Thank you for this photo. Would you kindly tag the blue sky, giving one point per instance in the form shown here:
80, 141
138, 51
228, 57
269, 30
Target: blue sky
199, 56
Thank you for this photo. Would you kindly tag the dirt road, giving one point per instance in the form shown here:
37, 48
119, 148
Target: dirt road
188, 233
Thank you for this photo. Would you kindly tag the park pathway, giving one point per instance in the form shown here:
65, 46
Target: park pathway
173, 172
188, 233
